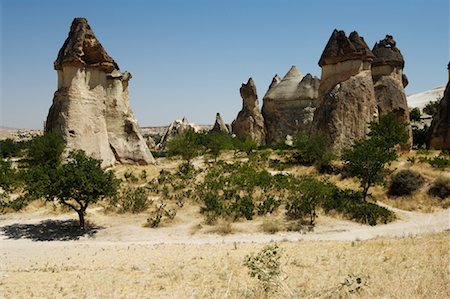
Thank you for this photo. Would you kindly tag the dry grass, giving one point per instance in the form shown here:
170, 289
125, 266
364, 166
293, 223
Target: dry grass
272, 225
389, 268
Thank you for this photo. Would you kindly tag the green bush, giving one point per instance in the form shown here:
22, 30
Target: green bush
242, 207
265, 266
313, 150
440, 187
405, 182
351, 205
133, 200
10, 148
269, 205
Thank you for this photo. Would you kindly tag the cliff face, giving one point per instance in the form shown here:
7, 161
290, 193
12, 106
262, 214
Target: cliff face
346, 102
389, 82
289, 105
249, 122
439, 136
91, 107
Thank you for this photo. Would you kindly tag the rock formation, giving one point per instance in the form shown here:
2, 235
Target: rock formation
249, 122
389, 82
91, 107
219, 125
347, 100
176, 128
439, 134
289, 105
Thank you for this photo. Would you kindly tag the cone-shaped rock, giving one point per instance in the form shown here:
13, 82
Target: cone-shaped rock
219, 125
439, 134
91, 107
288, 106
388, 79
249, 122
347, 100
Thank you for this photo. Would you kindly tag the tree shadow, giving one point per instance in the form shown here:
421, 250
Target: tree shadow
49, 230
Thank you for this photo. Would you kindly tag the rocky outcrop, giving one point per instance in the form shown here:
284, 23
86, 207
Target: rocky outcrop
219, 125
439, 134
249, 122
289, 105
91, 107
347, 100
389, 82
176, 128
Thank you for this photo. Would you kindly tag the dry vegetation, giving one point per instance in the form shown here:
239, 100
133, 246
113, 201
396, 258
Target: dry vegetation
188, 258
411, 267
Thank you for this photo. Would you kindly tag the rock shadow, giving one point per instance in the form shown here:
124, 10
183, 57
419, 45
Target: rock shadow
49, 230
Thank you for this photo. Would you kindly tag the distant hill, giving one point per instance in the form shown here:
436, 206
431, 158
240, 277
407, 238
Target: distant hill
420, 99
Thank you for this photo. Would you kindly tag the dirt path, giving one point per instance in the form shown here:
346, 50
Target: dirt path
189, 229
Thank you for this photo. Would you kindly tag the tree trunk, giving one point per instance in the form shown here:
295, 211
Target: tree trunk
81, 217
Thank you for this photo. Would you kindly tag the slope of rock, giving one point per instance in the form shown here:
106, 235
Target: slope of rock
289, 105
176, 128
249, 122
439, 134
91, 107
219, 125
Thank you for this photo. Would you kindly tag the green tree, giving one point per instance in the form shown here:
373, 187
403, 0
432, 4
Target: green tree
217, 142
45, 150
431, 107
414, 115
313, 150
43, 157
367, 158
82, 181
9, 178
187, 145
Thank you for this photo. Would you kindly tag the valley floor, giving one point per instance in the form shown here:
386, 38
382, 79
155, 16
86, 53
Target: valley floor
119, 258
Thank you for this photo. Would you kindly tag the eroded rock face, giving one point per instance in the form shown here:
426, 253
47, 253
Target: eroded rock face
219, 125
439, 137
91, 107
389, 82
347, 100
289, 105
249, 122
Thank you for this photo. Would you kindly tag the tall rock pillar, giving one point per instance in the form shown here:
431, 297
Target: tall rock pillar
389, 83
91, 107
347, 102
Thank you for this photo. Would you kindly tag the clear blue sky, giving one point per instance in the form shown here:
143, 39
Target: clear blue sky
189, 58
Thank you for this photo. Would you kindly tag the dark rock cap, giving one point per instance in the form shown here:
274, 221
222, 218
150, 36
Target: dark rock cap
386, 53
82, 49
342, 48
248, 89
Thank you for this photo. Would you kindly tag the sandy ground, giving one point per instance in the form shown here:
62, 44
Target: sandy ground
43, 257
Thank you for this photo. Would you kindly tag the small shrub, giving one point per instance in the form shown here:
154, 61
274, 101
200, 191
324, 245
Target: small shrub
130, 177
133, 200
440, 187
265, 266
405, 182
153, 221
224, 227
